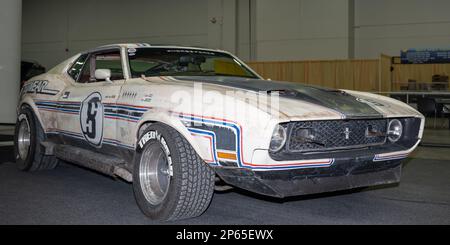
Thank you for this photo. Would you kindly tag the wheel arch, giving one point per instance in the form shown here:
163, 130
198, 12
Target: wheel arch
29, 102
172, 121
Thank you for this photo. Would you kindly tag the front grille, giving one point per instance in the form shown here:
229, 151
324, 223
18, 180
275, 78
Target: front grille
335, 134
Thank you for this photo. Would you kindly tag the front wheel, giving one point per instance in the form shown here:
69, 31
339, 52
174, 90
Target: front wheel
170, 180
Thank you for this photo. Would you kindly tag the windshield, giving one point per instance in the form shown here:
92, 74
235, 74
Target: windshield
184, 62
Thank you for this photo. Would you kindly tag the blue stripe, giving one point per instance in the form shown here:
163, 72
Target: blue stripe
225, 124
122, 116
238, 133
125, 107
57, 103
58, 109
52, 106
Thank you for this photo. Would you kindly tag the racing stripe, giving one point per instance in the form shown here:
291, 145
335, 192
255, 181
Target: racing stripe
337, 100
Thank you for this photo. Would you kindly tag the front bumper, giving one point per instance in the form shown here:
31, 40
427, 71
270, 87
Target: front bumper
343, 174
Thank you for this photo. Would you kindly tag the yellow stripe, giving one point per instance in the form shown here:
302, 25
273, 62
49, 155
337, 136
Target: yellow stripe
225, 155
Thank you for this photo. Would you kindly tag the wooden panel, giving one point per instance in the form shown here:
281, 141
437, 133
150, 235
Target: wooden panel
385, 83
422, 73
348, 74
363, 75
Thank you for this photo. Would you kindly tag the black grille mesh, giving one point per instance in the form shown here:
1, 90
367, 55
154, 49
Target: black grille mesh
329, 135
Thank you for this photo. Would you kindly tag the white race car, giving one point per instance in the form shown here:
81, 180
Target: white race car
175, 120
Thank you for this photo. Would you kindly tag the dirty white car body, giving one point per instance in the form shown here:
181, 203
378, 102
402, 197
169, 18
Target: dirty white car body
106, 124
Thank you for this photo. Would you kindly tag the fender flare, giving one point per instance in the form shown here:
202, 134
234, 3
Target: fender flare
169, 119
28, 101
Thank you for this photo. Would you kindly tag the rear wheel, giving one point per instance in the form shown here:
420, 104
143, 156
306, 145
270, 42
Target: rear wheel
170, 180
28, 151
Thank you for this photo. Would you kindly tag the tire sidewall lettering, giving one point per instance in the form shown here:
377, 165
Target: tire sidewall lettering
23, 117
155, 135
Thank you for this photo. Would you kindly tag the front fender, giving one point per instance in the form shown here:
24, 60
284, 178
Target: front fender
173, 120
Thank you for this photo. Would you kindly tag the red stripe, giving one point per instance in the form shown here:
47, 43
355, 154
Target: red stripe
242, 146
62, 102
288, 164
136, 106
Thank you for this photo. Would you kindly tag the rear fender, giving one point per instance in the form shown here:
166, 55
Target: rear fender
28, 101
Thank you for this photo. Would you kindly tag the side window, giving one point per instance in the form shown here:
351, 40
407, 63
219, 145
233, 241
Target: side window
75, 70
85, 75
102, 60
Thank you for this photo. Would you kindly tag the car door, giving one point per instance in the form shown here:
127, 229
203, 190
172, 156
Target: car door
87, 105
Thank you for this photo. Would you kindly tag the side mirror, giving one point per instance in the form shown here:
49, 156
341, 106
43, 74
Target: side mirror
103, 74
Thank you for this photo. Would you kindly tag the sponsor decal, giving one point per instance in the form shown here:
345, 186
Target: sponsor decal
38, 87
147, 98
66, 95
91, 119
190, 51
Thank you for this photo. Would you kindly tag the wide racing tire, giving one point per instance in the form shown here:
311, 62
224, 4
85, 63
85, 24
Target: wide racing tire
170, 180
28, 151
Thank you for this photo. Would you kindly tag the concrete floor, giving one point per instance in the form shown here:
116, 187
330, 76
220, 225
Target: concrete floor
71, 195
436, 136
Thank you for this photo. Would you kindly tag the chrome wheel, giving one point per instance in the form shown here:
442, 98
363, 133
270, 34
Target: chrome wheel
23, 138
154, 174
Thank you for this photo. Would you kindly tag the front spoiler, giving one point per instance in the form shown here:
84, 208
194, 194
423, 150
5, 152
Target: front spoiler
341, 175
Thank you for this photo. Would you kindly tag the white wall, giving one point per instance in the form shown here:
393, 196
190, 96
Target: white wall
252, 29
10, 19
302, 29
52, 26
387, 26
294, 29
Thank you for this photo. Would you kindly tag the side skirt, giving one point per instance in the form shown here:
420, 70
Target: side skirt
108, 165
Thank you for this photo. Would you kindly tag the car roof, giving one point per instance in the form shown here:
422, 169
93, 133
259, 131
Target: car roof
146, 45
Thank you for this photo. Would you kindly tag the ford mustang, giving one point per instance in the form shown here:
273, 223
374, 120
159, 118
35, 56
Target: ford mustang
177, 121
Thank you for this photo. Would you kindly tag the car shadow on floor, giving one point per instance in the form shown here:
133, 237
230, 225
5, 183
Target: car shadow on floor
304, 197
6, 154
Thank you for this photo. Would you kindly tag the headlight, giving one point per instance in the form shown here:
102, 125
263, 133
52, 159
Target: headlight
395, 130
278, 138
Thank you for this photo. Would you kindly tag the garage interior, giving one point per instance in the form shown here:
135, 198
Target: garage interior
343, 44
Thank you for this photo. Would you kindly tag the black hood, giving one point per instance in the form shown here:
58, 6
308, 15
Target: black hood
334, 99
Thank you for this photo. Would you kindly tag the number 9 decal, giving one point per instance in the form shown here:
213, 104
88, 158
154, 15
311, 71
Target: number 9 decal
91, 119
